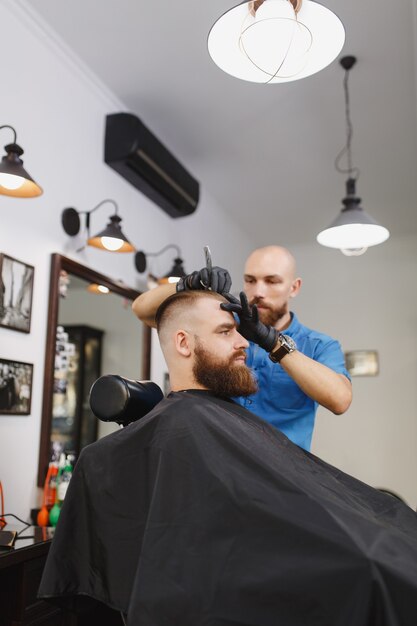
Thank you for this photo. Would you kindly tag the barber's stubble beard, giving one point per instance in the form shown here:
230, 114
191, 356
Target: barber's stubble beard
223, 377
270, 317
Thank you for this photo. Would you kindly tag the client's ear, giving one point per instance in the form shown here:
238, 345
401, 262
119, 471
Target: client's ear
183, 343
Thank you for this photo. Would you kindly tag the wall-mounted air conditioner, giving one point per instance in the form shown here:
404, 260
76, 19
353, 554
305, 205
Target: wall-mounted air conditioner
137, 155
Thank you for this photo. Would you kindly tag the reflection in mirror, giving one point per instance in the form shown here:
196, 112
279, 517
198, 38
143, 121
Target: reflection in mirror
91, 332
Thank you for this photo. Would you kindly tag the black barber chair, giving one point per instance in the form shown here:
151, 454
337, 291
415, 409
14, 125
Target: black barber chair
121, 400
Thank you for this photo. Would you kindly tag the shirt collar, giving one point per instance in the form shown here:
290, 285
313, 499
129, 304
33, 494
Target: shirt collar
294, 325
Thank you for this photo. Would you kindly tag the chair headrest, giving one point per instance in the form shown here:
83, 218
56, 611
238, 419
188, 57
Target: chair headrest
117, 399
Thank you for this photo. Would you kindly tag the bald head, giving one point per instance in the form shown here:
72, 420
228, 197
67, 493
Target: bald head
272, 260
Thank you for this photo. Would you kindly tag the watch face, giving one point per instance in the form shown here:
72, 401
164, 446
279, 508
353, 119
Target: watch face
287, 345
290, 342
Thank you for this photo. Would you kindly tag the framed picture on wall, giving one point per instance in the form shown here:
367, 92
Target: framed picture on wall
15, 387
362, 362
16, 289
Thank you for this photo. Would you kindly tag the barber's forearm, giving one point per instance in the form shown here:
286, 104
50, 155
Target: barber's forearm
319, 382
146, 305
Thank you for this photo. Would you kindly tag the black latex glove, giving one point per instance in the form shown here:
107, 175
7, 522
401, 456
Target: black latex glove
217, 280
250, 325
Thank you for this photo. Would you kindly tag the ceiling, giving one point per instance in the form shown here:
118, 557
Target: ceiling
265, 153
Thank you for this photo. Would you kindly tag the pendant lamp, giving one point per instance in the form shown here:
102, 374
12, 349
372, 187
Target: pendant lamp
353, 231
14, 179
111, 238
275, 41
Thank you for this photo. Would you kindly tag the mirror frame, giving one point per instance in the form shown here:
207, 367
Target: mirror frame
59, 263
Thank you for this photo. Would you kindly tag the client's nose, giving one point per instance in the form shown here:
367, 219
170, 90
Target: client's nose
241, 342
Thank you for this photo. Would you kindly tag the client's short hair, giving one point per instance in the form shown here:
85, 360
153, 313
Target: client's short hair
181, 301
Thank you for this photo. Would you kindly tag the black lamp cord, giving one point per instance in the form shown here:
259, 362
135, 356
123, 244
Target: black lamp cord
353, 172
88, 213
27, 524
167, 247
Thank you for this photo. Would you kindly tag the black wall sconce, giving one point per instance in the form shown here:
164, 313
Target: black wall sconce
14, 179
174, 274
111, 238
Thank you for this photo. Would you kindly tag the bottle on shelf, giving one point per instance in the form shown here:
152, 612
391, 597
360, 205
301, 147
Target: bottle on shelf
63, 478
49, 489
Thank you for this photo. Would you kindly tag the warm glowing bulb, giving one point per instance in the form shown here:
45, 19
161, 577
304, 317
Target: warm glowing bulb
9, 181
98, 289
112, 243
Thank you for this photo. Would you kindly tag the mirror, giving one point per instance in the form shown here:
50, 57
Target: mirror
91, 331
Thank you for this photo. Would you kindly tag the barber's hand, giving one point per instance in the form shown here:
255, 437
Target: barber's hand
250, 325
217, 280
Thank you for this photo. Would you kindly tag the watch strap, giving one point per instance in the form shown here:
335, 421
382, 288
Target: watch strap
287, 345
279, 353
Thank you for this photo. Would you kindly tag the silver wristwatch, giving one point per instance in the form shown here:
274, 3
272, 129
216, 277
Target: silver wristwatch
287, 345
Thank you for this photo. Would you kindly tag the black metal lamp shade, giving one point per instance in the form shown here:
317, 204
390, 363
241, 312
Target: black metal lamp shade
353, 228
177, 270
14, 179
112, 238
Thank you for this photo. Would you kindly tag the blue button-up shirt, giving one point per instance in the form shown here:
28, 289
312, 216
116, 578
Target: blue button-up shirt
280, 401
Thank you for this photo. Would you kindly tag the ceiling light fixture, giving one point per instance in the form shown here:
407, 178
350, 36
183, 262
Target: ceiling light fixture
275, 41
353, 231
111, 238
175, 273
14, 179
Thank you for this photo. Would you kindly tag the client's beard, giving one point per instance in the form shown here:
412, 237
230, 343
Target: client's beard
222, 376
270, 316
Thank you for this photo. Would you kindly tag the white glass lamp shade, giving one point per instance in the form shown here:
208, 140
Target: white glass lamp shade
275, 44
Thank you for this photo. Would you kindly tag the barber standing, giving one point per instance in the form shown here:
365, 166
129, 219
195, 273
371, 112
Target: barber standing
297, 368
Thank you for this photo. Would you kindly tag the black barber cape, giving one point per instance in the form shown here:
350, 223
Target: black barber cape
203, 514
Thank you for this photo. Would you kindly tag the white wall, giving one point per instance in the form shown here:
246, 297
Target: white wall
58, 109
369, 302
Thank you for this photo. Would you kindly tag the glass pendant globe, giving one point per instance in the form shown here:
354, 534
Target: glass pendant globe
274, 44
